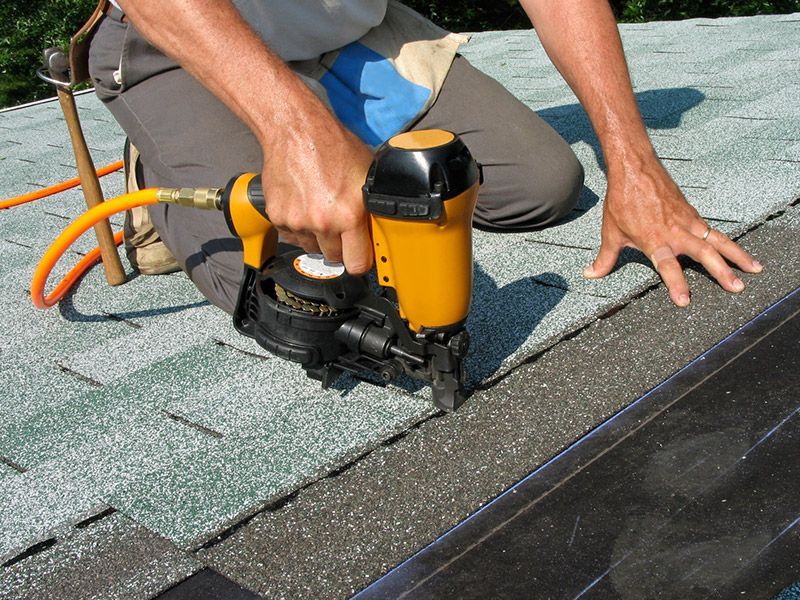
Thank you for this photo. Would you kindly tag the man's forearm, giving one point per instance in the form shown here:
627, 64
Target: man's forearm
315, 166
211, 40
643, 207
582, 40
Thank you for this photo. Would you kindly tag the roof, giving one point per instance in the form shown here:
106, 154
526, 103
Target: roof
134, 420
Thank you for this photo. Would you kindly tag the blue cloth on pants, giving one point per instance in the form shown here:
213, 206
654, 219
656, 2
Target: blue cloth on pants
369, 96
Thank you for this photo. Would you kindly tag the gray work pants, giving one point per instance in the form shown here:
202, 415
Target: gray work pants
187, 137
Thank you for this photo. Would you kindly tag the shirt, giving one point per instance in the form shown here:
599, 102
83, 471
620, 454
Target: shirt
306, 29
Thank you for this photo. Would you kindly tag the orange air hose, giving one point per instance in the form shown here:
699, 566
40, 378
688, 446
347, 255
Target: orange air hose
59, 187
72, 233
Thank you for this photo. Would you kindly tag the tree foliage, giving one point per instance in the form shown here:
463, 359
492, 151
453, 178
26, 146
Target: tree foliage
26, 28
467, 15
669, 10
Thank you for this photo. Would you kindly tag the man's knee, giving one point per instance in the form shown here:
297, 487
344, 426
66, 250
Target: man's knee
521, 200
565, 191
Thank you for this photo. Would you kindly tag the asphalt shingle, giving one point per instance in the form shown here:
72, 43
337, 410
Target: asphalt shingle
143, 398
398, 499
110, 558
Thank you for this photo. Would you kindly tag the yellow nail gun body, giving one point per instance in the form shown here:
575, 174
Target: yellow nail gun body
420, 194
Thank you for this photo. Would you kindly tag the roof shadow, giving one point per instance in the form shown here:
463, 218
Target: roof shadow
514, 314
66, 307
512, 317
660, 108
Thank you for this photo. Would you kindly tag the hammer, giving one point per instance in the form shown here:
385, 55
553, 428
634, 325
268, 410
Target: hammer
56, 72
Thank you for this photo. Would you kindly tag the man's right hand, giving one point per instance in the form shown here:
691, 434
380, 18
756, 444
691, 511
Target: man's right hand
312, 185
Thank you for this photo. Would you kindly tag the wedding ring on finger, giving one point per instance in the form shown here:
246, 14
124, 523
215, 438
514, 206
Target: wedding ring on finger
706, 234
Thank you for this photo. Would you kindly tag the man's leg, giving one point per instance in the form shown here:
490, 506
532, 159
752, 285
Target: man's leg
189, 138
531, 176
194, 142
186, 137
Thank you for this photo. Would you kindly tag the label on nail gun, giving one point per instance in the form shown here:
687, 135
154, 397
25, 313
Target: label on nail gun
316, 267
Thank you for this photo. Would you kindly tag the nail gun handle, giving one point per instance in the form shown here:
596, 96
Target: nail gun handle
245, 212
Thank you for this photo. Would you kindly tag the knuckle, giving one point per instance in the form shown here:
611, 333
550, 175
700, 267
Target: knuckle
321, 224
277, 218
332, 251
296, 222
716, 237
326, 228
309, 244
671, 264
352, 211
662, 253
708, 253
358, 266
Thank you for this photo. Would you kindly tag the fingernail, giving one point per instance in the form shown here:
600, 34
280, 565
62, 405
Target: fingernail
683, 300
757, 266
738, 285
588, 272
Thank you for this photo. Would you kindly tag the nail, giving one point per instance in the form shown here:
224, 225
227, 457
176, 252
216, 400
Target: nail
757, 266
737, 285
588, 272
683, 300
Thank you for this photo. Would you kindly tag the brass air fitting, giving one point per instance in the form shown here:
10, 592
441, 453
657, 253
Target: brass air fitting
205, 198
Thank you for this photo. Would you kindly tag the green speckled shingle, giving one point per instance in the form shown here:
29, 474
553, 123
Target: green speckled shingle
111, 558
143, 398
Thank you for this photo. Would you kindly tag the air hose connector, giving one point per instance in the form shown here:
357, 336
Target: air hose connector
205, 198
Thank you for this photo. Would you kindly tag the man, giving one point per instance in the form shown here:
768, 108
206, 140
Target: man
254, 112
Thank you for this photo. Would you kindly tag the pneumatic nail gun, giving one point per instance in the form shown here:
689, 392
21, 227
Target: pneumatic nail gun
420, 194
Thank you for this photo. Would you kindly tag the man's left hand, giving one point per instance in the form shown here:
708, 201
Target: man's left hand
645, 209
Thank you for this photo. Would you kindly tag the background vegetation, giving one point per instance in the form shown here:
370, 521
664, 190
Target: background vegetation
468, 15
27, 27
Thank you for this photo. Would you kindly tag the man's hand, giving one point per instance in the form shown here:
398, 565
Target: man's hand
313, 191
644, 209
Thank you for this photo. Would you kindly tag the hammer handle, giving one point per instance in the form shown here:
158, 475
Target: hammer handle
115, 273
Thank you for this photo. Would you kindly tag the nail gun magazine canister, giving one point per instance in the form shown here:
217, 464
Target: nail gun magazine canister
420, 192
